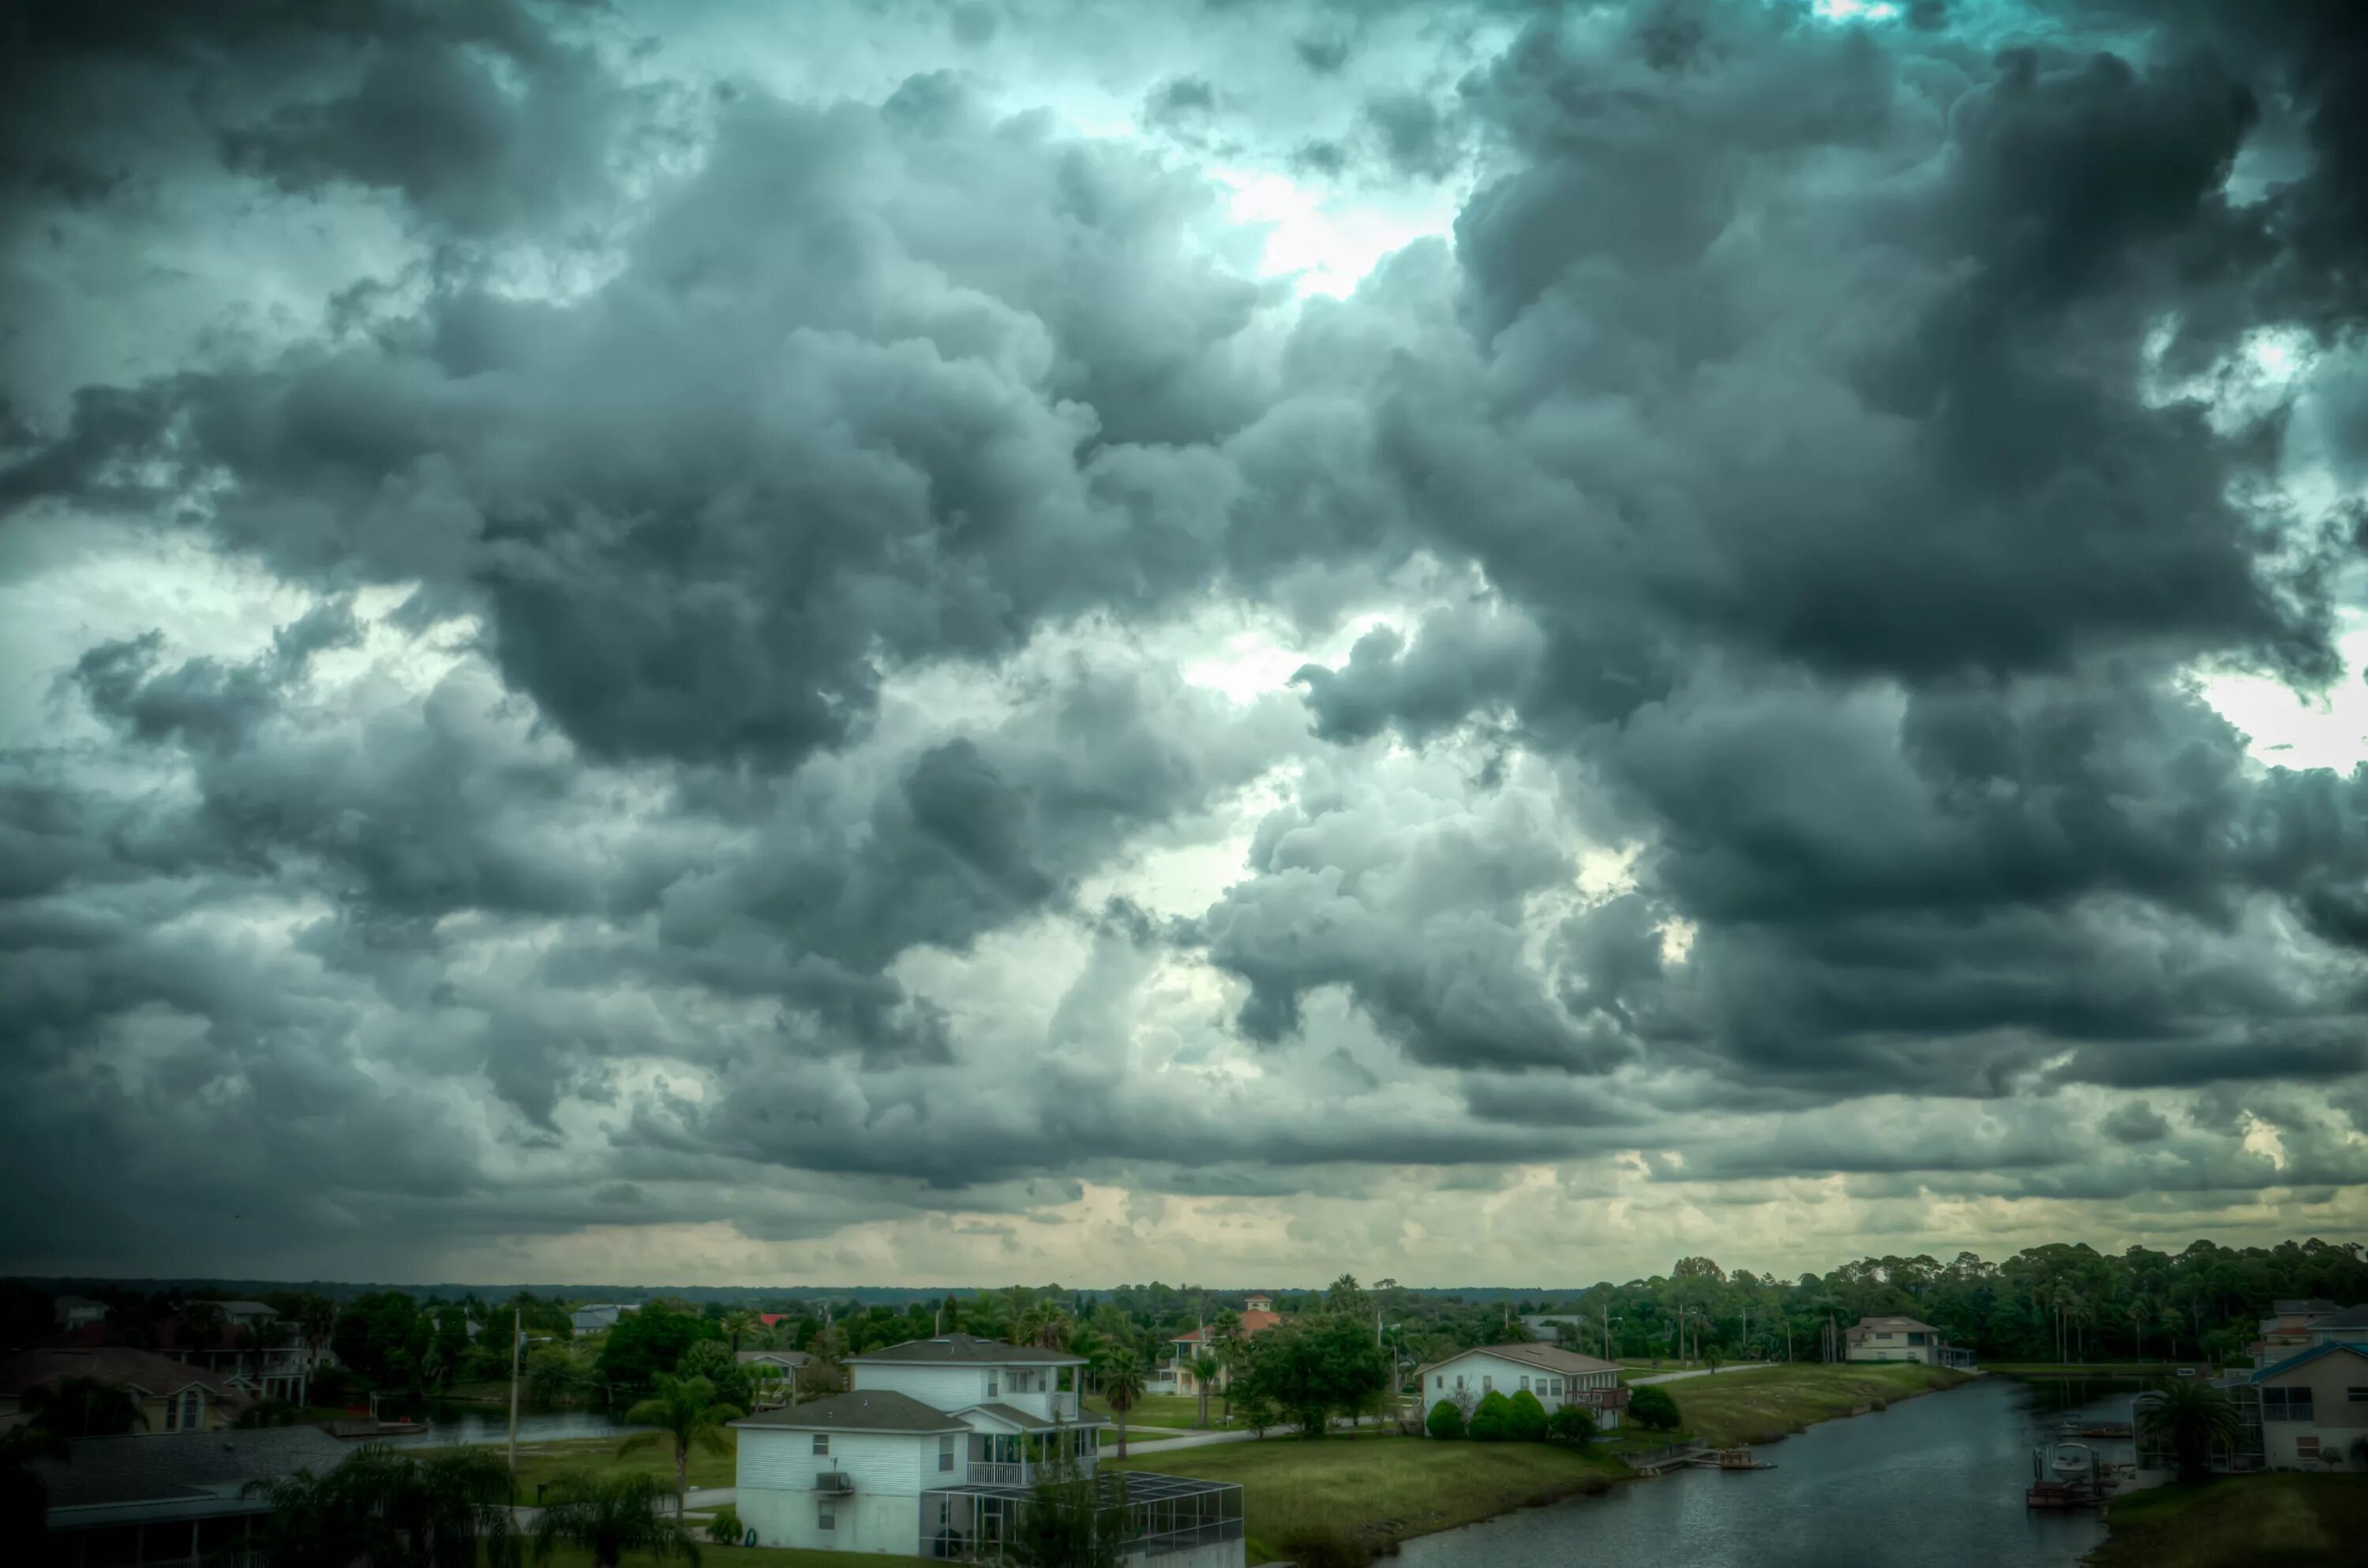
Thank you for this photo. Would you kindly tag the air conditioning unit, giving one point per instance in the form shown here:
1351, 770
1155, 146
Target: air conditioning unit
834, 1483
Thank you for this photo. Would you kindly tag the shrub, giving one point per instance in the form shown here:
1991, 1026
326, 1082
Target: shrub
1525, 1421
1325, 1546
1571, 1424
1493, 1422
725, 1525
1446, 1420
1653, 1409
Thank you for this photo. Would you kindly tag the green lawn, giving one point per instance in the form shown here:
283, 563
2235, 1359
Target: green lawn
541, 1462
713, 1556
2254, 1521
1381, 1490
1766, 1403
1162, 1410
2091, 1368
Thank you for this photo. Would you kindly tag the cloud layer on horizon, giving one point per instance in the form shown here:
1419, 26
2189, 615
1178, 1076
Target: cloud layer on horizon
668, 646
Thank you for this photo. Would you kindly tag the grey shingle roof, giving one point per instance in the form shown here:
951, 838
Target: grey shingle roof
184, 1465
964, 1350
1028, 1422
1546, 1357
118, 1366
2351, 1317
864, 1410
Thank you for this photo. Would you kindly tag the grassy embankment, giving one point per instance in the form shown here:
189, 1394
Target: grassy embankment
1380, 1490
736, 1556
1767, 1403
2255, 1521
2092, 1369
1162, 1410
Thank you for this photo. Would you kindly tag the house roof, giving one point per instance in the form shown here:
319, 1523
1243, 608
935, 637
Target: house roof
964, 1350
1545, 1358
1025, 1422
2351, 1317
118, 1366
243, 1309
194, 1466
80, 1302
864, 1410
770, 1319
776, 1358
1893, 1325
1244, 1324
2326, 1347
2296, 1308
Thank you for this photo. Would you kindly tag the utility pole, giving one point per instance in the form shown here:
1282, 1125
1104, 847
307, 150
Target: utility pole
517, 1336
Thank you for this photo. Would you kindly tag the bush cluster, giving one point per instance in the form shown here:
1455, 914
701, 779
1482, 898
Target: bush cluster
1521, 1418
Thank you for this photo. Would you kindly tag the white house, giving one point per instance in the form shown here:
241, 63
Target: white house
1903, 1339
598, 1318
934, 1451
1556, 1377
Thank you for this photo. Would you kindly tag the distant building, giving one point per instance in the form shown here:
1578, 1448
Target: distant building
774, 1373
169, 1502
172, 1397
1903, 1339
2288, 1326
1255, 1317
935, 1450
1555, 1377
77, 1311
598, 1319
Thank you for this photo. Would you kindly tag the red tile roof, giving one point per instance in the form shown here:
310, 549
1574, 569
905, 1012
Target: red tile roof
1244, 1326
118, 1366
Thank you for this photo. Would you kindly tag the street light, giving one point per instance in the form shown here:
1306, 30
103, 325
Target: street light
518, 1341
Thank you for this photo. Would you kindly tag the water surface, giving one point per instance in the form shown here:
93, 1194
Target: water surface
450, 1423
1935, 1482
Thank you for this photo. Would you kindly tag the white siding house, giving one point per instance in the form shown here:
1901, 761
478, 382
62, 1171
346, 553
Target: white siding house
934, 1453
1555, 1377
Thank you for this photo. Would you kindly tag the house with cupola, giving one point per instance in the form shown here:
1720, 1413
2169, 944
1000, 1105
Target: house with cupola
935, 1450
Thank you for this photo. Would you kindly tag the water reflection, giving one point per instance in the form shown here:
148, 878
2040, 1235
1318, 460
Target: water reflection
457, 1424
1936, 1481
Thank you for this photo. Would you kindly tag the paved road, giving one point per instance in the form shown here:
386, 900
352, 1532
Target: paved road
1705, 1372
1208, 1439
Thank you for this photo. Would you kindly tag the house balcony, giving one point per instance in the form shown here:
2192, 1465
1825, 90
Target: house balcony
1018, 1472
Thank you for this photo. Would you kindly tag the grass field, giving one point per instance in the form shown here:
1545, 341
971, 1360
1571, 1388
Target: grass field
1382, 1489
1766, 1403
541, 1462
2254, 1521
1162, 1410
713, 1556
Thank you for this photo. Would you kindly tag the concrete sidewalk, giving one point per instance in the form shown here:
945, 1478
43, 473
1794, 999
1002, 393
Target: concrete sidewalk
1704, 1372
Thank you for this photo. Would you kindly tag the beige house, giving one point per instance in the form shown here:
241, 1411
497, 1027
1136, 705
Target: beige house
2315, 1409
1903, 1339
172, 1397
1258, 1315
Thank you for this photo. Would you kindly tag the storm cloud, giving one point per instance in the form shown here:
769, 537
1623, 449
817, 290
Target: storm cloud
625, 645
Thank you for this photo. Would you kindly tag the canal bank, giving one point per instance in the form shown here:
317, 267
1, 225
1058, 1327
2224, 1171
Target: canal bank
1936, 1481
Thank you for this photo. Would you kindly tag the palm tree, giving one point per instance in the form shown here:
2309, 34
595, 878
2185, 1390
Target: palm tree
609, 1516
2188, 1418
738, 1325
384, 1510
686, 1411
1205, 1367
1122, 1385
84, 1408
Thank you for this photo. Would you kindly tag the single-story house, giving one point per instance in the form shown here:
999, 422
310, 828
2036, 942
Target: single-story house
172, 1397
1903, 1339
775, 1373
169, 1502
598, 1318
2314, 1408
1556, 1377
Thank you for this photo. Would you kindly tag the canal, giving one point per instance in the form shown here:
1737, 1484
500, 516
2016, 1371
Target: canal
1936, 1481
451, 1424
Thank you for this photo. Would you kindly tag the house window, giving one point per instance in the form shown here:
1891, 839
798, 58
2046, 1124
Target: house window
1487, 1383
2307, 1448
1525, 1382
945, 1453
2285, 1404
821, 1442
990, 1385
1439, 1383
828, 1519
1557, 1388
1459, 1382
2357, 1396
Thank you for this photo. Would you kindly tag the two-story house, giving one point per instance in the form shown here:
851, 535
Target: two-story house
1903, 1339
1555, 1376
1258, 1315
2314, 1408
168, 1395
934, 1453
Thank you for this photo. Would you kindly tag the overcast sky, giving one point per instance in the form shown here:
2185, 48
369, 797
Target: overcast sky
955, 640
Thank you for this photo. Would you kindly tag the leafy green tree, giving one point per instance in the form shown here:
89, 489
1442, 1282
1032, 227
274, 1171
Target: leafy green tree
383, 1336
381, 1509
1492, 1421
1526, 1419
685, 1412
1446, 1420
650, 1343
83, 1407
1258, 1411
1315, 1365
709, 1359
1653, 1409
1122, 1385
1571, 1424
2190, 1419
608, 1516
1072, 1519
739, 1325
1205, 1369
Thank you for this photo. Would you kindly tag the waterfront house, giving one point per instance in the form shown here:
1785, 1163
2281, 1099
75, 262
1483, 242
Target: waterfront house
2314, 1408
934, 1453
1556, 1377
1258, 1315
78, 1312
1903, 1339
169, 1502
172, 1397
